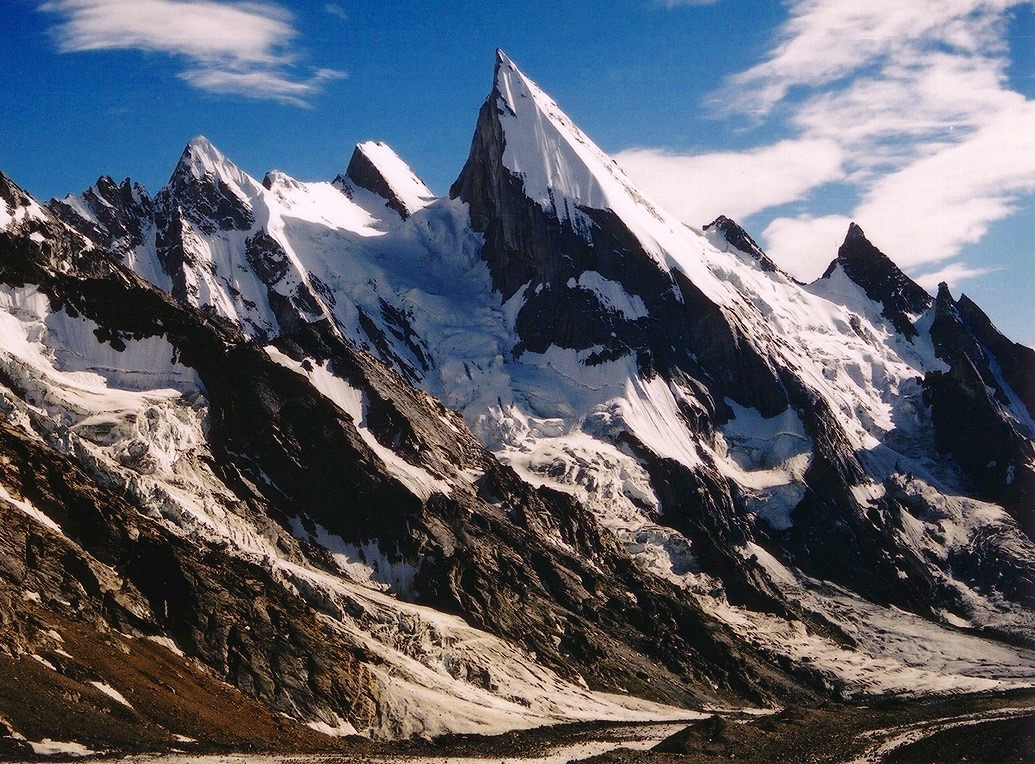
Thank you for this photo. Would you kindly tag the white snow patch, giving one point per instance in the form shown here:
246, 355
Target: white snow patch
28, 508
112, 693
32, 211
354, 403
44, 661
611, 295
148, 363
340, 727
48, 747
365, 564
896, 652
167, 643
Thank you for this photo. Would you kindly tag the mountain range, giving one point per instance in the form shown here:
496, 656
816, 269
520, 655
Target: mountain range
285, 461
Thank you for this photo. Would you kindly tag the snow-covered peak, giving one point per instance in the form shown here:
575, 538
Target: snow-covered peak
15, 204
201, 153
560, 166
377, 168
201, 159
210, 190
526, 144
725, 232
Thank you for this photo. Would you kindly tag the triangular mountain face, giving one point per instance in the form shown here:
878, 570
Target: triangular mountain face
588, 256
981, 400
378, 169
373, 461
902, 298
1016, 362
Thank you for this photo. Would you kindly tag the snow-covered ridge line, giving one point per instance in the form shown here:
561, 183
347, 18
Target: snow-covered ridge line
376, 167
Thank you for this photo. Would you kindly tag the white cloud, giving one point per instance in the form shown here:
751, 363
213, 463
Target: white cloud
244, 48
259, 83
804, 246
336, 10
952, 274
934, 206
826, 40
914, 101
700, 188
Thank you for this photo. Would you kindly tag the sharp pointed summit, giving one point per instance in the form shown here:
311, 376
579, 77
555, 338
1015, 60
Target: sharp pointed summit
558, 215
883, 281
209, 190
377, 168
732, 233
201, 159
559, 167
15, 204
200, 154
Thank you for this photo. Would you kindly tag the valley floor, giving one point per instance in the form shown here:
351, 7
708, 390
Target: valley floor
997, 728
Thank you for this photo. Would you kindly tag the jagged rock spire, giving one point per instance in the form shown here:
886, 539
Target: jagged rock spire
883, 281
114, 215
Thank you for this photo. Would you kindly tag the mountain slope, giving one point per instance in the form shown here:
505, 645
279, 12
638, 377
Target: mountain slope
226, 463
496, 452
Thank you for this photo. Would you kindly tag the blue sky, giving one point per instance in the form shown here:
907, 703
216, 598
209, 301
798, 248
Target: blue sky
915, 119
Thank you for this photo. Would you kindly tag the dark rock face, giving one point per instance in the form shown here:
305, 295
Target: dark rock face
123, 212
126, 580
202, 197
967, 411
269, 261
737, 237
365, 174
1015, 361
12, 196
527, 246
194, 199
881, 279
397, 323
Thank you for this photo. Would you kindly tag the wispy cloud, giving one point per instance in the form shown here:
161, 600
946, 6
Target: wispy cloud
826, 40
809, 243
240, 48
915, 99
737, 184
336, 10
952, 274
